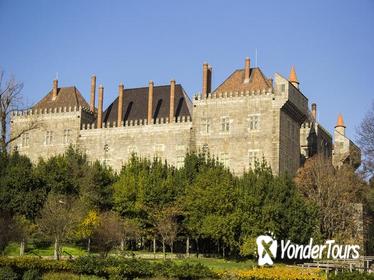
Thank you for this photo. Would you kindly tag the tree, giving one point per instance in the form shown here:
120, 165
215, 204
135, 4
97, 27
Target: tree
59, 218
9, 230
366, 141
333, 192
167, 226
108, 233
87, 227
10, 100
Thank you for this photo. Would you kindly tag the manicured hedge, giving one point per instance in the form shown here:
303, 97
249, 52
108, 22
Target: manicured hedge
115, 268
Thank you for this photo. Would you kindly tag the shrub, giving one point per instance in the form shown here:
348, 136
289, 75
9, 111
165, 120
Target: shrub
351, 276
6, 273
32, 274
60, 276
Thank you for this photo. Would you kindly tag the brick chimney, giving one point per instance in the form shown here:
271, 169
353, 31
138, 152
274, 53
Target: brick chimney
314, 111
150, 101
100, 107
247, 69
120, 104
93, 92
207, 80
172, 98
55, 89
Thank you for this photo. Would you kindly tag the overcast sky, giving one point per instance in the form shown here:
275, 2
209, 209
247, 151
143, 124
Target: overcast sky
331, 44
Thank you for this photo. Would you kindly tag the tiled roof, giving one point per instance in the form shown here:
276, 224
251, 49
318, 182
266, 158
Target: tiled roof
235, 82
135, 104
66, 97
293, 77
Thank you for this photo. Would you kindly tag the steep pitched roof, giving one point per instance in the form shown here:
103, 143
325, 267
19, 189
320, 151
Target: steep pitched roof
235, 82
66, 97
135, 104
293, 76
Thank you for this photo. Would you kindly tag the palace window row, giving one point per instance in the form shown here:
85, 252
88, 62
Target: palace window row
225, 124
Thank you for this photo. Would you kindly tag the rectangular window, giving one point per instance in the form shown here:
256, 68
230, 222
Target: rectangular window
25, 139
48, 137
132, 150
159, 150
224, 159
225, 124
67, 136
254, 122
206, 125
253, 156
180, 161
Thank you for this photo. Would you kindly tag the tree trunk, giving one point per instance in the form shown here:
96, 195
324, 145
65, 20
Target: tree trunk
197, 247
171, 247
3, 132
122, 244
22, 247
223, 250
188, 247
57, 249
89, 245
154, 247
163, 247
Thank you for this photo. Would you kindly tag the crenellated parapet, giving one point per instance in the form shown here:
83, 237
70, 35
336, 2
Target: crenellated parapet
49, 111
139, 123
234, 94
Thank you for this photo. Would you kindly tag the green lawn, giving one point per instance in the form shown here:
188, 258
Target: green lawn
13, 250
215, 264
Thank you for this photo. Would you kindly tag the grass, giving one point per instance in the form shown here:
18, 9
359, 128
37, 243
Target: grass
13, 250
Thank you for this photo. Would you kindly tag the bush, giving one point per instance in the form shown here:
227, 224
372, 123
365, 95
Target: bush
60, 276
6, 273
352, 276
32, 274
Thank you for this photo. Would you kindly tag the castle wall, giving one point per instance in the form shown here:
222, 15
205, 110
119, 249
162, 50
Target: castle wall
115, 145
55, 131
253, 128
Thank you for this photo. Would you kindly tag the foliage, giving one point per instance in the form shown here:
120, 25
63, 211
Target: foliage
32, 274
351, 276
6, 273
108, 233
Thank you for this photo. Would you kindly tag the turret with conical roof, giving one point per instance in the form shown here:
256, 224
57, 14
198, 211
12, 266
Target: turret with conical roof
340, 126
293, 78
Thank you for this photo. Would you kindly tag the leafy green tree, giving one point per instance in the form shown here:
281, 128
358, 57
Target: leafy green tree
59, 219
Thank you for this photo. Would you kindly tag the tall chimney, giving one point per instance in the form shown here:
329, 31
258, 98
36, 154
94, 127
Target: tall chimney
100, 107
120, 105
207, 80
54, 90
150, 102
93, 92
172, 97
314, 111
247, 69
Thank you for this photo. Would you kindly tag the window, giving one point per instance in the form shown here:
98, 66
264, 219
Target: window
283, 88
159, 150
132, 150
67, 136
254, 122
225, 124
253, 156
180, 161
224, 159
205, 126
205, 148
48, 138
25, 139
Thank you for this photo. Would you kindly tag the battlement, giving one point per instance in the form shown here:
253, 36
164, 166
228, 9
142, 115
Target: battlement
234, 94
136, 123
59, 110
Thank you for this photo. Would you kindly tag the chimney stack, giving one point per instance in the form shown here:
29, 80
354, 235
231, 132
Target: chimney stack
207, 80
150, 101
247, 69
93, 92
54, 90
120, 104
100, 107
314, 111
172, 98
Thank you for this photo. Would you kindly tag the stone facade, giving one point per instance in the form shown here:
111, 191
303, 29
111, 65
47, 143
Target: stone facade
247, 118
